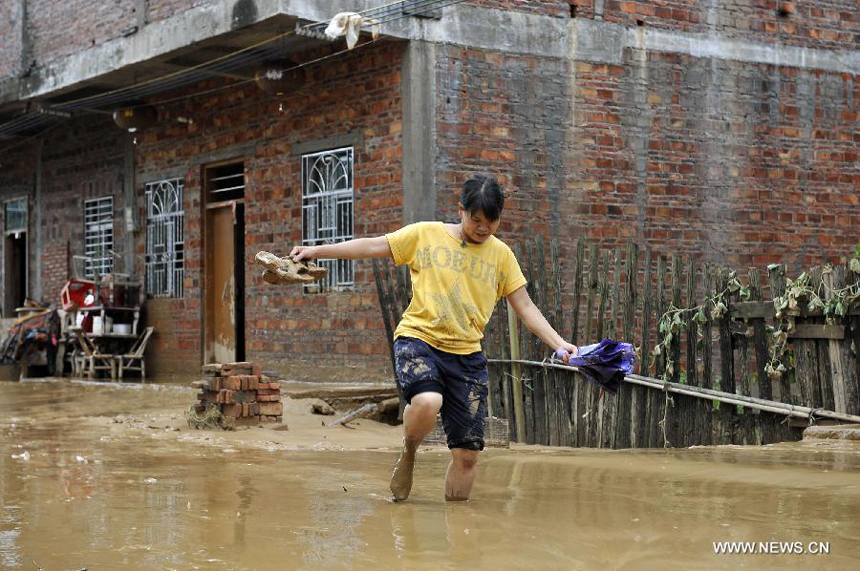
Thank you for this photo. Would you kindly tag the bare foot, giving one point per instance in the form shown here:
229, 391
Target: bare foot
401, 479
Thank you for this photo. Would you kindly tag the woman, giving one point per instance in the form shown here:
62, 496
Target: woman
459, 272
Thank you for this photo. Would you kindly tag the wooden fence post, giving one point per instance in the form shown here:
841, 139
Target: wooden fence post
766, 425
577, 389
676, 414
623, 423
776, 274
640, 406
657, 401
516, 373
693, 416
843, 381
559, 419
531, 393
585, 412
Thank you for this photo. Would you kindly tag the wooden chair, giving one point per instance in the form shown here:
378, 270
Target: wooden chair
89, 360
135, 354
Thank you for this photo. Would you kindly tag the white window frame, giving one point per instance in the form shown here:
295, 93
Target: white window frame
164, 258
16, 231
328, 211
98, 237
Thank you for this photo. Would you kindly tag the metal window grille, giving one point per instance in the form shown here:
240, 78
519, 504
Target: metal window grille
98, 237
16, 215
165, 239
327, 211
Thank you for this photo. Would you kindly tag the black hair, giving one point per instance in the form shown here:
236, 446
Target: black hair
483, 193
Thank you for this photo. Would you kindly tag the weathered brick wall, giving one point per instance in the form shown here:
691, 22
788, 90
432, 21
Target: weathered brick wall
287, 330
11, 45
542, 7
80, 162
161, 9
56, 267
743, 164
506, 115
738, 163
825, 24
58, 28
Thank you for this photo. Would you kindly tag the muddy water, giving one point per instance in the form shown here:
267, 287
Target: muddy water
79, 493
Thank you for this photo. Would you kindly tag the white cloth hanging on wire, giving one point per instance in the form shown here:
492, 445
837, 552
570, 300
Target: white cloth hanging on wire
349, 24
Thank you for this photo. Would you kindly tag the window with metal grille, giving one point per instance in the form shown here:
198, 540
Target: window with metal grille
327, 211
98, 237
15, 212
165, 240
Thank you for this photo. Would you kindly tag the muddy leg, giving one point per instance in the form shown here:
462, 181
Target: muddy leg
419, 418
461, 474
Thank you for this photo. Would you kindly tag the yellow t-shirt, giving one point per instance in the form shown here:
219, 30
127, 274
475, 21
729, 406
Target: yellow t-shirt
454, 289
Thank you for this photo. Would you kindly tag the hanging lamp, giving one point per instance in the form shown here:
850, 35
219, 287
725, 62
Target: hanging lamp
280, 77
135, 118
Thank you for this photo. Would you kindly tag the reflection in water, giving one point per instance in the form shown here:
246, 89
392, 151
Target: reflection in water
332, 540
92, 495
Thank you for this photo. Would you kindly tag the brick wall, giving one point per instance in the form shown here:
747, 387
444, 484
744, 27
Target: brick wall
737, 163
161, 9
57, 28
828, 24
286, 330
542, 7
824, 24
10, 31
80, 162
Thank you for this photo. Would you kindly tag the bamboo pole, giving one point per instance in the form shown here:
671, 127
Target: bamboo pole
721, 396
516, 372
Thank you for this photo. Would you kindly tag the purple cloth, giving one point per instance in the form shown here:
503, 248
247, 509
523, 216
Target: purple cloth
605, 363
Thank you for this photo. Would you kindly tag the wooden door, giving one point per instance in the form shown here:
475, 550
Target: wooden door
221, 286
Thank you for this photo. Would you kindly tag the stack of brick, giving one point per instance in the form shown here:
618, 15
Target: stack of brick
241, 393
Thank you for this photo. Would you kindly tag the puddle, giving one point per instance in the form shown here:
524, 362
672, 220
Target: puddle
87, 495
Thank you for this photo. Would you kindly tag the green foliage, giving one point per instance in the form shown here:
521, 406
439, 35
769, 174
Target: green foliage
805, 289
673, 322
818, 296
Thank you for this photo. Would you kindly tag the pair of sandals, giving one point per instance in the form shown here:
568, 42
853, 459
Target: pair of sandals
286, 271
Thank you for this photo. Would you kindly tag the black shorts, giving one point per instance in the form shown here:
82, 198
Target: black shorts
462, 380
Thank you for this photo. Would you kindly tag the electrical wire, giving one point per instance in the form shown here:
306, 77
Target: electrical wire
238, 53
307, 63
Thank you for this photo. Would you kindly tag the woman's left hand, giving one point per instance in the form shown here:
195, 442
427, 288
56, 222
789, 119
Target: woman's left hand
566, 351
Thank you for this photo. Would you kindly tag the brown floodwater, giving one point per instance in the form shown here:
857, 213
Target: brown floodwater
76, 493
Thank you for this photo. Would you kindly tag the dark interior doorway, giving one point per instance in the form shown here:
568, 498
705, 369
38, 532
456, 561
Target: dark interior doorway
15, 249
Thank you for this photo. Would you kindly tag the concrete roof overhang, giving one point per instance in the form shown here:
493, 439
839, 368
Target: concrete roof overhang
228, 39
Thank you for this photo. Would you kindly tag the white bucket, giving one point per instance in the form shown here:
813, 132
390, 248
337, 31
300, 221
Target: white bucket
101, 327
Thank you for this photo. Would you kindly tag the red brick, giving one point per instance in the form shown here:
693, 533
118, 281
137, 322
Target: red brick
232, 383
271, 408
234, 410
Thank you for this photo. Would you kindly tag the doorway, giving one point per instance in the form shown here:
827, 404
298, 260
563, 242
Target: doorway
15, 248
224, 263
